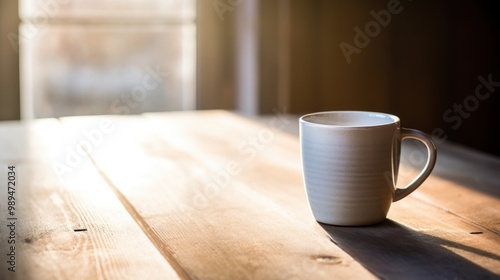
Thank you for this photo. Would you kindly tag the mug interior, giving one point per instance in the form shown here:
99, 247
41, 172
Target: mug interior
350, 118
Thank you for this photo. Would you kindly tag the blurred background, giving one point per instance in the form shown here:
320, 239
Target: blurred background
435, 64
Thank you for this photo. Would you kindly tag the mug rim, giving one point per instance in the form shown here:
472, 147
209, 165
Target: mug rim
394, 119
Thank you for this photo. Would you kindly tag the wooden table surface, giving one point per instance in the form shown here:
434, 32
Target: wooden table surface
213, 195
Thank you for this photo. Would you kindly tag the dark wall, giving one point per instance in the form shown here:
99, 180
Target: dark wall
422, 66
474, 48
9, 62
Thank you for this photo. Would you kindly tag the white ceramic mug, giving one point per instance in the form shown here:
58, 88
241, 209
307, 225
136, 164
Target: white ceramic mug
350, 161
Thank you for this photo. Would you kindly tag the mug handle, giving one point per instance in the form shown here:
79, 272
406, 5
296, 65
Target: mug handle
400, 193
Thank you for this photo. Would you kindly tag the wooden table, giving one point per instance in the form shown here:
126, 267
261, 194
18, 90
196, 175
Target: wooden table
213, 195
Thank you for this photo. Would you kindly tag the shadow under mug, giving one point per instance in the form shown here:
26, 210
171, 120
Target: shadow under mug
350, 161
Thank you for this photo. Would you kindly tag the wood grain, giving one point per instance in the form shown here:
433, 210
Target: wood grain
392, 250
422, 241
212, 195
163, 168
70, 226
464, 182
456, 208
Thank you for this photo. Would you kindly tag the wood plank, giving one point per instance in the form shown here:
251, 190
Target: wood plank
464, 182
421, 241
162, 165
439, 246
473, 255
449, 225
68, 226
262, 208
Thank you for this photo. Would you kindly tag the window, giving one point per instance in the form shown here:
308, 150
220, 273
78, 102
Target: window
82, 57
